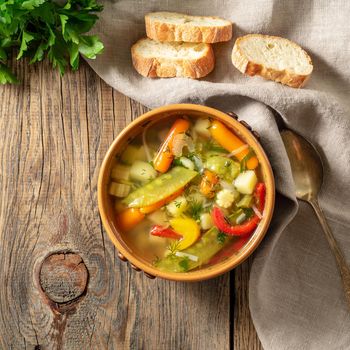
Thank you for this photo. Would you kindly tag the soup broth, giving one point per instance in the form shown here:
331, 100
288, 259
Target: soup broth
188, 193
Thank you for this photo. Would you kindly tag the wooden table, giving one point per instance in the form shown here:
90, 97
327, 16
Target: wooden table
61, 283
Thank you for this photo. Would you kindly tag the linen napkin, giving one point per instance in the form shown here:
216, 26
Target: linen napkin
296, 296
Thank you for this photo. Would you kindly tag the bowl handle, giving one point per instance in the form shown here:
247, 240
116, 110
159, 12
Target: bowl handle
245, 124
124, 259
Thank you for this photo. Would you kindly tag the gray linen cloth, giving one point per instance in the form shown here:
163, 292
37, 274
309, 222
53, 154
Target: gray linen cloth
296, 296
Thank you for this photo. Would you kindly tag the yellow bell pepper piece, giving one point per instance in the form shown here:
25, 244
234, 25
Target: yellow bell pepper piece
188, 229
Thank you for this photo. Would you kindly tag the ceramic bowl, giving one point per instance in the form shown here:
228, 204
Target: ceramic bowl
107, 210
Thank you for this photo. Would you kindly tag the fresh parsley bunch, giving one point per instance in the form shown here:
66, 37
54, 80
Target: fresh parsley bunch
47, 28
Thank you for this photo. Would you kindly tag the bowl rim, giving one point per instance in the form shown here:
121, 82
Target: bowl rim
256, 238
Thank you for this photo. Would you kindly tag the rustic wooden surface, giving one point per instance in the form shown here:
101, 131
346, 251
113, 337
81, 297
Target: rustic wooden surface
61, 283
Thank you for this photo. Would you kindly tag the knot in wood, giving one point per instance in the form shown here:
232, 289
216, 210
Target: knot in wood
63, 277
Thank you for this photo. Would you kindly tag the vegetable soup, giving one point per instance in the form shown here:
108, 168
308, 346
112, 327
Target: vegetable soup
188, 193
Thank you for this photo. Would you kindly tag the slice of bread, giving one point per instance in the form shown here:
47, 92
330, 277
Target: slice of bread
273, 58
166, 60
171, 26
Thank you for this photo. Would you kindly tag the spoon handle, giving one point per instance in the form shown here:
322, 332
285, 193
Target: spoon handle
341, 262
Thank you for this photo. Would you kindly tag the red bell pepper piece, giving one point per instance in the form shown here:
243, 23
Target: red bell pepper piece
248, 226
236, 230
160, 231
259, 194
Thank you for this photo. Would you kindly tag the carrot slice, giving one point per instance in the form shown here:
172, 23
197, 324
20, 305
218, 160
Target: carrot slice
209, 180
228, 140
153, 207
129, 218
165, 156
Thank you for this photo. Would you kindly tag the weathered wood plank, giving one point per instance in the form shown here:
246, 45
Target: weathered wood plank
55, 133
244, 334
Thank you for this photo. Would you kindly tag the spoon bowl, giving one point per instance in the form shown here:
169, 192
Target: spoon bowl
306, 164
307, 171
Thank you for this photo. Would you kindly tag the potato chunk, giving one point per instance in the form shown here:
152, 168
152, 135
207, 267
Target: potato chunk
246, 181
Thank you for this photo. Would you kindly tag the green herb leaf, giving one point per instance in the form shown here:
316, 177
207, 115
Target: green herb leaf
184, 264
26, 39
249, 212
74, 56
6, 76
173, 247
40, 51
90, 46
177, 162
195, 209
3, 54
177, 204
31, 4
63, 19
47, 28
221, 237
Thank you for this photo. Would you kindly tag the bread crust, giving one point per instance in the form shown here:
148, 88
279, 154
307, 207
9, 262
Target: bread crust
160, 31
242, 63
155, 67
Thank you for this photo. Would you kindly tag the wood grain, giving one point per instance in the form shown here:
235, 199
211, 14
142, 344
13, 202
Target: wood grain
55, 132
244, 334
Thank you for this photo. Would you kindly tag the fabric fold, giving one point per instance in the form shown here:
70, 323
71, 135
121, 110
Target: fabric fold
296, 295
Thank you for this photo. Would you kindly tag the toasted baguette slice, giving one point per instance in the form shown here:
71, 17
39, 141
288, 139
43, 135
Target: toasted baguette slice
171, 26
272, 58
166, 60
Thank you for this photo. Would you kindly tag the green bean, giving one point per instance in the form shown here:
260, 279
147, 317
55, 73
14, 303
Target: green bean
160, 188
207, 246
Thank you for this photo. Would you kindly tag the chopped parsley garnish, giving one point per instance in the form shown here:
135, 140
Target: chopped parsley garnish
173, 247
221, 237
177, 203
195, 209
177, 162
184, 264
249, 212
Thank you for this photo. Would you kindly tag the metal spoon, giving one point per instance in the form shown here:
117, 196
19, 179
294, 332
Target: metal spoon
307, 173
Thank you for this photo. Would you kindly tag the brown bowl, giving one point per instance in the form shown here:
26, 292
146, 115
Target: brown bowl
107, 210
